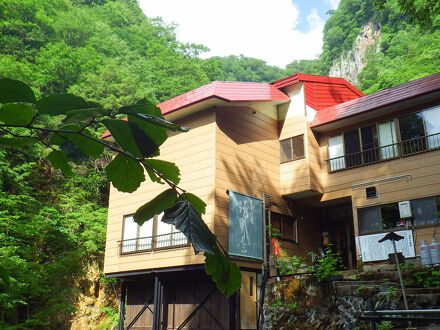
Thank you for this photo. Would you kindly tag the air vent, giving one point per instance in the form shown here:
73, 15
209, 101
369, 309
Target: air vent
371, 192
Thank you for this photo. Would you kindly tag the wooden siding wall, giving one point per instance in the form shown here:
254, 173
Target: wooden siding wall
194, 154
295, 175
247, 160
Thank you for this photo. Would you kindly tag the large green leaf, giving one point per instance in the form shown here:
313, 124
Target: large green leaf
224, 273
15, 91
16, 113
60, 104
125, 173
81, 115
17, 142
91, 148
169, 170
157, 133
186, 219
157, 205
145, 113
59, 160
131, 138
195, 201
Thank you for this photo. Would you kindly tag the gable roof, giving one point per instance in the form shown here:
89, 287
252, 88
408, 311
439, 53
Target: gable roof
377, 100
321, 92
229, 91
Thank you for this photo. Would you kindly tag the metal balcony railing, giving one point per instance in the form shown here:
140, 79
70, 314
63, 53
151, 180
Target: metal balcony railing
153, 243
384, 153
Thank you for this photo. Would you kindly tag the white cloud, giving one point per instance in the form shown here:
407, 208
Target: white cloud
333, 3
255, 28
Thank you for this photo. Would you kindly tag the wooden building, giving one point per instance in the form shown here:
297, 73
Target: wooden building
329, 165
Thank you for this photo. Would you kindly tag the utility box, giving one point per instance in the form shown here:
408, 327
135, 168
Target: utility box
405, 210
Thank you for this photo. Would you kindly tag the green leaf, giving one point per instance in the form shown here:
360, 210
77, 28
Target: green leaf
156, 133
169, 170
224, 273
157, 205
15, 91
186, 219
195, 201
59, 160
4, 274
17, 142
131, 138
16, 114
147, 114
88, 146
81, 115
125, 173
60, 104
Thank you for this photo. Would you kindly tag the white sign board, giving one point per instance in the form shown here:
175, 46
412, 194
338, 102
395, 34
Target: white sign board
372, 250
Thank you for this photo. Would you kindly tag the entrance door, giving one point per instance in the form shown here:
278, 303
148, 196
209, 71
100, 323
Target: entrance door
337, 225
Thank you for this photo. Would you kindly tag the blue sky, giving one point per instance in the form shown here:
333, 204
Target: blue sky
277, 31
306, 7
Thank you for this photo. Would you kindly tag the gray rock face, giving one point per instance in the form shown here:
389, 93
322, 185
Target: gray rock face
351, 63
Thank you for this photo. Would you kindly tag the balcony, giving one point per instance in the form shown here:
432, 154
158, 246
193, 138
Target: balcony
153, 243
384, 153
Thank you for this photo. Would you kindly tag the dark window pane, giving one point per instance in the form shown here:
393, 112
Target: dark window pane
298, 147
352, 148
369, 144
390, 215
369, 220
286, 150
424, 211
411, 132
288, 228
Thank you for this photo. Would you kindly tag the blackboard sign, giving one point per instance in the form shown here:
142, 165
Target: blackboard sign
245, 226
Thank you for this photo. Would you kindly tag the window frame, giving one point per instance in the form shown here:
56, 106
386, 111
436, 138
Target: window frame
282, 218
290, 139
154, 236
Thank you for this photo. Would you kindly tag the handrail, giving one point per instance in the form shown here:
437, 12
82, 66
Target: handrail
385, 153
153, 243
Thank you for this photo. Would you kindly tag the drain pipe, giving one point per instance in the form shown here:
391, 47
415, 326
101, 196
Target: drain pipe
265, 264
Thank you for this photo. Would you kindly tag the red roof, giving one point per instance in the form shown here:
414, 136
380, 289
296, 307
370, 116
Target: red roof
226, 91
377, 100
321, 92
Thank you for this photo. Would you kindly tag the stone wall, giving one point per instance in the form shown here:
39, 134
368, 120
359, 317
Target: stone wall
304, 303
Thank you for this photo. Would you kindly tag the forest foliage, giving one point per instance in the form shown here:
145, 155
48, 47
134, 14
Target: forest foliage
109, 52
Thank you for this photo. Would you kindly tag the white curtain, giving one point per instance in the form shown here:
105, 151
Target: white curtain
432, 126
145, 235
387, 140
130, 233
163, 229
336, 149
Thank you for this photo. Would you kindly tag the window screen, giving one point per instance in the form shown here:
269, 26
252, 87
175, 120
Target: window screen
284, 225
292, 148
369, 220
424, 211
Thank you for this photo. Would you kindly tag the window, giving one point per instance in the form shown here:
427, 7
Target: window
284, 225
420, 131
378, 218
425, 211
292, 149
153, 234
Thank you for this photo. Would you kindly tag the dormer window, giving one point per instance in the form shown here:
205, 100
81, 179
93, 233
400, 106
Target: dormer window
292, 148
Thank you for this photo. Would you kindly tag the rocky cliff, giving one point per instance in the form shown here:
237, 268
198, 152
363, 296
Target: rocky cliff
350, 64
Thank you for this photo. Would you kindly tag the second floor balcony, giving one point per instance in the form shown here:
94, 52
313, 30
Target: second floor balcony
384, 153
153, 243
